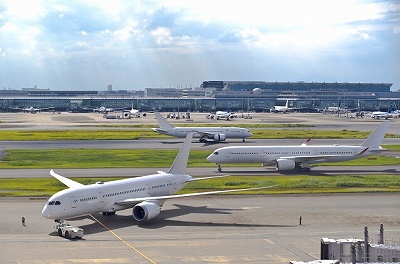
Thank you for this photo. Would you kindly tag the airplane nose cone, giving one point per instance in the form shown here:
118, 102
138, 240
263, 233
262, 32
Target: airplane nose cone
46, 212
210, 157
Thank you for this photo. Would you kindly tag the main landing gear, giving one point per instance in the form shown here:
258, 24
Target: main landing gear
302, 167
108, 213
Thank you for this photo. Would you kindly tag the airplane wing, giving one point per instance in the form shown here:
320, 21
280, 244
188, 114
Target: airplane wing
134, 201
66, 181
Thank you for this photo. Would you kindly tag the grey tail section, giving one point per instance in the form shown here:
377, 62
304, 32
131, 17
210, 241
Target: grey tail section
180, 163
162, 122
375, 138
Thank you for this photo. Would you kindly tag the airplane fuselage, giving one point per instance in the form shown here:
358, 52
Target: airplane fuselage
229, 132
269, 155
104, 197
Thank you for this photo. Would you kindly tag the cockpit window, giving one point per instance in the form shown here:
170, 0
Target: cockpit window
57, 203
51, 203
216, 153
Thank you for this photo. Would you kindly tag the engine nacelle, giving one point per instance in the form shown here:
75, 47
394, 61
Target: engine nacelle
285, 164
145, 211
219, 137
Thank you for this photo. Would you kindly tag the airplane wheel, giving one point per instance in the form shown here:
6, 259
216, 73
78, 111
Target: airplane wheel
67, 234
59, 232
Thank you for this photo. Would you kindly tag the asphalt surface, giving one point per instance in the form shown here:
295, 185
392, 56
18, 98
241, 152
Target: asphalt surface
213, 229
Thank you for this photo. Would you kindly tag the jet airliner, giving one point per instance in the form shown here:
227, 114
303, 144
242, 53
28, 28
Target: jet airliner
287, 158
146, 194
279, 108
204, 133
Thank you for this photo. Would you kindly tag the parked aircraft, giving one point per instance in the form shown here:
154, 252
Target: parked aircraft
34, 110
204, 133
389, 114
280, 108
288, 158
228, 115
103, 110
146, 194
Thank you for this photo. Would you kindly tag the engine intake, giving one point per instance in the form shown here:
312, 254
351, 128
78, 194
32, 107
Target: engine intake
219, 137
285, 164
145, 211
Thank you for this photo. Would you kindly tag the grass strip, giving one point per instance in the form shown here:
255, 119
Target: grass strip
135, 158
299, 184
134, 134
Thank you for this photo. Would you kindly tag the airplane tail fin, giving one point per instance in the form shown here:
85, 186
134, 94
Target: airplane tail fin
181, 159
287, 104
375, 138
162, 122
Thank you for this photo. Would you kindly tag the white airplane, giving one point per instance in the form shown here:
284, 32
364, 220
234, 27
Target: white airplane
389, 114
288, 158
135, 112
204, 133
34, 110
279, 108
222, 115
145, 194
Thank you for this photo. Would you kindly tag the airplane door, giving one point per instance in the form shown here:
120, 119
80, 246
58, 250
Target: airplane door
74, 201
101, 197
100, 202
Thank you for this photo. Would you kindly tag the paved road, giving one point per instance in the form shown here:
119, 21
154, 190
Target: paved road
207, 171
212, 229
173, 143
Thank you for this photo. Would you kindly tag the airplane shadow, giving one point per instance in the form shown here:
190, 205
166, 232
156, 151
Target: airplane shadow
115, 222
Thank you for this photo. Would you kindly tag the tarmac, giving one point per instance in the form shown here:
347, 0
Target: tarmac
211, 229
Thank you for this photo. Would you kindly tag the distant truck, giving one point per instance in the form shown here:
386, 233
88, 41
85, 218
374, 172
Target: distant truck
68, 231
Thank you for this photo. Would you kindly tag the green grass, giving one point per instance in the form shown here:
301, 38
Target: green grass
135, 158
299, 184
137, 133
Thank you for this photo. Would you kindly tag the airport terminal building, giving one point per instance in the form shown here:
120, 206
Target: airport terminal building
213, 95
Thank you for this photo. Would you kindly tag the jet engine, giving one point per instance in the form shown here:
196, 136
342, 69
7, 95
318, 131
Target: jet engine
145, 211
219, 137
285, 164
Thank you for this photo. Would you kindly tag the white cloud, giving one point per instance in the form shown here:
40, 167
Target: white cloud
217, 38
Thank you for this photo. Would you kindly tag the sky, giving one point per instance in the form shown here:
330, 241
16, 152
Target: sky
132, 45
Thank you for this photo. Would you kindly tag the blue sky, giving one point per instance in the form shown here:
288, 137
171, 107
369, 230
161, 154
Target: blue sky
86, 45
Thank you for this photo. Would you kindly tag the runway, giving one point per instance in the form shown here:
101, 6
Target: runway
212, 229
172, 143
203, 171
